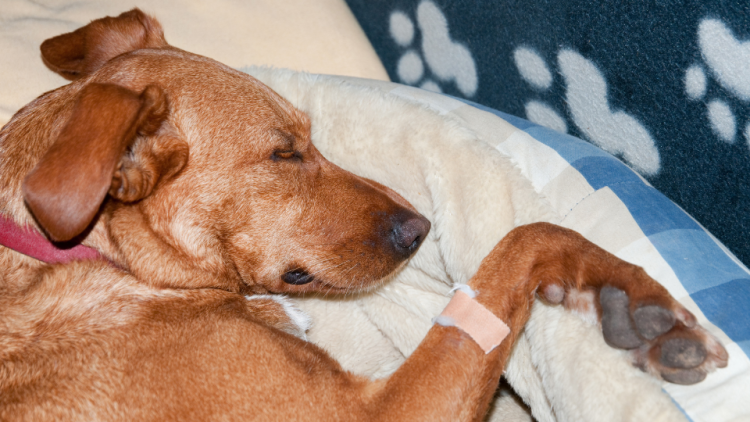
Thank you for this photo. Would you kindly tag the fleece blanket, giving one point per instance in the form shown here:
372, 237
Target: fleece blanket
476, 175
662, 85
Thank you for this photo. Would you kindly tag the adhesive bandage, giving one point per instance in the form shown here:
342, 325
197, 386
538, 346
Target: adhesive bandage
465, 313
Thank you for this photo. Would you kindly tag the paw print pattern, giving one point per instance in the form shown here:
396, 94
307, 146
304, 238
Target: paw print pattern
448, 60
535, 72
729, 62
615, 131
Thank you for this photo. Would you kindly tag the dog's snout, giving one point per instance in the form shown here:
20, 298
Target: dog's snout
408, 233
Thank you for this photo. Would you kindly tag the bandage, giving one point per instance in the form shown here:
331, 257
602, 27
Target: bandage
465, 313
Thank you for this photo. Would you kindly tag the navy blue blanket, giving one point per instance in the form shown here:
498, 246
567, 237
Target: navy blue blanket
662, 85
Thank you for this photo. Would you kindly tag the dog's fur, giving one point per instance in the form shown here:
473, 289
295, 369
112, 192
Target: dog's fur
199, 185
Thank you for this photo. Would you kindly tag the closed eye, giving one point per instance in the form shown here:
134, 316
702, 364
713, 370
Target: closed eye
286, 155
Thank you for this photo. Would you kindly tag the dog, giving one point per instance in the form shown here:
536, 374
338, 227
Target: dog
172, 187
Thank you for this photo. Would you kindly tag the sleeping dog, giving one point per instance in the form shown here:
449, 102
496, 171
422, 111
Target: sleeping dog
176, 187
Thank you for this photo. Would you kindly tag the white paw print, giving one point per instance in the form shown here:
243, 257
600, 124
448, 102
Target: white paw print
729, 62
448, 60
615, 131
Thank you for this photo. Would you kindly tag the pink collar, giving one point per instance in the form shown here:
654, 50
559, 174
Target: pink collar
29, 242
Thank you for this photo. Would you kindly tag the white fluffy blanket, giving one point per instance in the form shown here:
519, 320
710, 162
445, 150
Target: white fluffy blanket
473, 195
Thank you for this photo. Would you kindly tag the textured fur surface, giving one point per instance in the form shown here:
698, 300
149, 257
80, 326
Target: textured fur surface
473, 195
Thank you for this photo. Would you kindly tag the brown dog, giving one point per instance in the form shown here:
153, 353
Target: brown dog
198, 184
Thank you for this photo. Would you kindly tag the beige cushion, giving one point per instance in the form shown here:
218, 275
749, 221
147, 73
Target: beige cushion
320, 36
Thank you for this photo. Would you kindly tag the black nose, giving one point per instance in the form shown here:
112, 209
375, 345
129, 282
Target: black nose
409, 230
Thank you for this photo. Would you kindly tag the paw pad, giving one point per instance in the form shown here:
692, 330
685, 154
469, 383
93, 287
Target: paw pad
684, 376
682, 353
661, 341
553, 293
617, 326
653, 321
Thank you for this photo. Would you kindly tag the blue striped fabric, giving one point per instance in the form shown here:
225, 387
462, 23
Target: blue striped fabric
717, 283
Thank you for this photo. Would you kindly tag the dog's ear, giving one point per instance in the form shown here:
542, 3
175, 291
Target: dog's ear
150, 161
83, 51
67, 187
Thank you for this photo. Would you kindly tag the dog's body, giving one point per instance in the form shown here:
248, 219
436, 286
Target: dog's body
199, 185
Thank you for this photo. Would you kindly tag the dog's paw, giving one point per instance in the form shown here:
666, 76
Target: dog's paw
662, 337
664, 342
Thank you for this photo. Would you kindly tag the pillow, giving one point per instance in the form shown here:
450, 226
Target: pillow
320, 36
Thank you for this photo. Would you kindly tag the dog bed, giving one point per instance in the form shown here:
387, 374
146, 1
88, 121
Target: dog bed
477, 173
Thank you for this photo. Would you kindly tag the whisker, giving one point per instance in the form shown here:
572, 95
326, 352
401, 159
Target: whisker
321, 272
347, 271
300, 268
350, 280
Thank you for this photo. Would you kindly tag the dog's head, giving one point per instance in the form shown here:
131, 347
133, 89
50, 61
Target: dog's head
186, 163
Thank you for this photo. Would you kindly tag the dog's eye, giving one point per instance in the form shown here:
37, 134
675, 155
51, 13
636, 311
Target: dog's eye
286, 155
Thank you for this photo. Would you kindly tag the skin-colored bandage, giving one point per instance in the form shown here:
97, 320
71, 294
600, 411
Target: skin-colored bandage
487, 330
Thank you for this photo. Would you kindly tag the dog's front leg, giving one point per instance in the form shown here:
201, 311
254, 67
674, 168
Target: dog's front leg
450, 377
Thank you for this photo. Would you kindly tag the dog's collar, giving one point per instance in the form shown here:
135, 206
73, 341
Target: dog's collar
30, 242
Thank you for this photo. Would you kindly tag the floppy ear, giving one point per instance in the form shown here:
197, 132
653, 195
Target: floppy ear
67, 187
85, 50
150, 161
